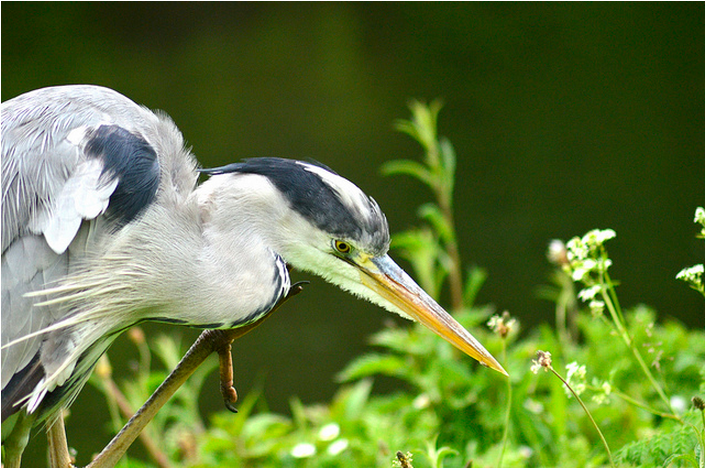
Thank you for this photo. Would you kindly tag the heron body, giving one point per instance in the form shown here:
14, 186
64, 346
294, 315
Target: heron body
104, 226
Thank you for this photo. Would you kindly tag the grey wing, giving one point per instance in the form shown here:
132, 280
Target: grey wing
70, 158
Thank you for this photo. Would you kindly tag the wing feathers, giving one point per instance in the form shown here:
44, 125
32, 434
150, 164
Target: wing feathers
83, 196
69, 154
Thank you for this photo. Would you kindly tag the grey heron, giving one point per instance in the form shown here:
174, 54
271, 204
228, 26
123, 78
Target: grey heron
104, 226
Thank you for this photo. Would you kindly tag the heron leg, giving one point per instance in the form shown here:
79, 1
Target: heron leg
59, 456
225, 367
15, 443
225, 359
193, 358
208, 342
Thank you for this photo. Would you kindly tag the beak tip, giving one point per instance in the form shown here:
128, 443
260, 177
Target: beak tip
495, 365
390, 282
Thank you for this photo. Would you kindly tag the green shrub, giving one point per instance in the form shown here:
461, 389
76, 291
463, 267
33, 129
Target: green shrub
632, 378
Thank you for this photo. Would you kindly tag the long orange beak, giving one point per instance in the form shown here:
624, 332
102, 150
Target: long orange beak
387, 279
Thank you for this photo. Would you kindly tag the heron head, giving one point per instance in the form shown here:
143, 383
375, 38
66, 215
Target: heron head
332, 229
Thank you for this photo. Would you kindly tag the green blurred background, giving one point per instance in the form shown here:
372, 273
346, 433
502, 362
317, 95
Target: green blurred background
565, 117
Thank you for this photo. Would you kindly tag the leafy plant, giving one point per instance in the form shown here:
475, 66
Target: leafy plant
631, 377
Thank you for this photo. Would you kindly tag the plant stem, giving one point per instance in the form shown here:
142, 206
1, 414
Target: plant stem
444, 197
611, 300
640, 404
118, 400
588, 413
455, 275
509, 406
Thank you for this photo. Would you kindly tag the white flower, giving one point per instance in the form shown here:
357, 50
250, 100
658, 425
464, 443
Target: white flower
579, 273
329, 431
544, 359
597, 308
678, 404
493, 322
533, 406
599, 399
605, 264
588, 294
575, 376
586, 255
502, 325
692, 274
606, 388
421, 402
303, 450
590, 264
692, 271
700, 216
598, 237
574, 368
534, 368
556, 252
337, 447
525, 452
607, 234
576, 250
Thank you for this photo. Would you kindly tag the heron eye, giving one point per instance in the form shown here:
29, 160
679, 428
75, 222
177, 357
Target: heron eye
342, 247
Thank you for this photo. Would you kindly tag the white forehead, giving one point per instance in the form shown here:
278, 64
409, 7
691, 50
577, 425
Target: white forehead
347, 191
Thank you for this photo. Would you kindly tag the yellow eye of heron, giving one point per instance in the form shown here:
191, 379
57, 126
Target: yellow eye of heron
342, 247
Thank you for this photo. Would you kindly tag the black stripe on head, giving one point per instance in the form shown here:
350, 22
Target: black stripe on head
133, 161
315, 200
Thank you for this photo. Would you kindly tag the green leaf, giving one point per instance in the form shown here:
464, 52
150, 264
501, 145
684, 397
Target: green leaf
245, 409
474, 281
422, 126
423, 251
431, 213
369, 365
351, 401
436, 456
406, 126
409, 167
168, 349
263, 432
298, 411
448, 160
404, 340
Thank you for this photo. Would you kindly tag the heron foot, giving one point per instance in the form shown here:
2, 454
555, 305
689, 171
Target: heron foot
225, 368
222, 345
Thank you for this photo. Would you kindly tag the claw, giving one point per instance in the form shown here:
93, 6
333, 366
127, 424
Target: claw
230, 407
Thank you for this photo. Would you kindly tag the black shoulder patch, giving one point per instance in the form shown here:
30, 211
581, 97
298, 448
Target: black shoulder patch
307, 193
133, 161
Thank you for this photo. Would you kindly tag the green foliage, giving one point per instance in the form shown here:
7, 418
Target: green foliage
632, 376
675, 444
432, 249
